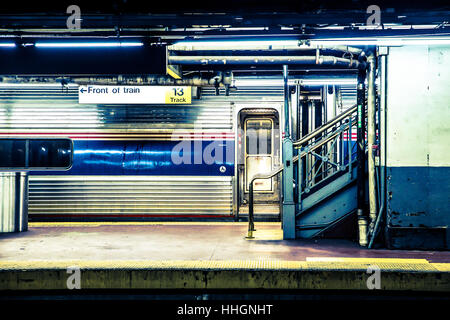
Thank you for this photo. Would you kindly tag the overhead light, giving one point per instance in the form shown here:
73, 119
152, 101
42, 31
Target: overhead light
7, 45
87, 44
385, 41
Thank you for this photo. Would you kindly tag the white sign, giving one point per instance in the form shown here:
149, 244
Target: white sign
134, 94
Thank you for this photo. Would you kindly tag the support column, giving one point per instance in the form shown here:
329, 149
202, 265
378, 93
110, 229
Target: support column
13, 202
288, 172
361, 158
371, 140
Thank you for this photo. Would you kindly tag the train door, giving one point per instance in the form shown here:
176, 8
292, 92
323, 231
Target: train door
260, 153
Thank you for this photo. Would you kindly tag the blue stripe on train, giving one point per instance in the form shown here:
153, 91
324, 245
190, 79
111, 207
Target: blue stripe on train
109, 157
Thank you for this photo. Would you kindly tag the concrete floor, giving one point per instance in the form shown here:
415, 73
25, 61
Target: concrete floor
180, 241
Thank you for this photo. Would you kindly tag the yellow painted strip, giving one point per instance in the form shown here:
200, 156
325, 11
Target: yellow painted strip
365, 260
217, 265
171, 72
444, 267
153, 264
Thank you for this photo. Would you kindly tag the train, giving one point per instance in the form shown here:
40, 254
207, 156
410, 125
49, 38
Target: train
137, 162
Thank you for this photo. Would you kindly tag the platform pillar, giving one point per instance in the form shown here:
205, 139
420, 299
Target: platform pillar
288, 191
13, 202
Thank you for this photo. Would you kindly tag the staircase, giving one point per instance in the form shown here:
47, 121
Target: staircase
326, 191
327, 208
325, 180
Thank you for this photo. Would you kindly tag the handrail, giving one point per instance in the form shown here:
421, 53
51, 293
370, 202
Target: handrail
326, 126
251, 224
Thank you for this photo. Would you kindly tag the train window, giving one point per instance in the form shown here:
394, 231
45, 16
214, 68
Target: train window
35, 154
258, 149
50, 153
258, 136
12, 153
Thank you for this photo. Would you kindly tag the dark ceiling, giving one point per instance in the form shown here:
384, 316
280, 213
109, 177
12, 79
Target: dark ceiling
229, 6
238, 13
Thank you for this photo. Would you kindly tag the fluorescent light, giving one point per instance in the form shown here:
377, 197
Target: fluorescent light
388, 41
7, 45
87, 44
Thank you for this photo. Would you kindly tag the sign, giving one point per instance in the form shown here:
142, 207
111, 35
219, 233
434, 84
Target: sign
134, 94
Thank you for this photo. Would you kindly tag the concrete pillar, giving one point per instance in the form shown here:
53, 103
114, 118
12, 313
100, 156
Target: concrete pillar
13, 201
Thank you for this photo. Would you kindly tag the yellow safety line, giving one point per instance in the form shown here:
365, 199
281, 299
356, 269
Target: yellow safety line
387, 264
444, 267
365, 260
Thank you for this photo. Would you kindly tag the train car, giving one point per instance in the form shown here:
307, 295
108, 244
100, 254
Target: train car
134, 162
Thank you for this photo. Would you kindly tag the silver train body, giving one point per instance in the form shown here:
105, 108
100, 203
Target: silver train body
125, 166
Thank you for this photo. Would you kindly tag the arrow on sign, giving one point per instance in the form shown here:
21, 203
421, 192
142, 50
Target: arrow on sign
82, 90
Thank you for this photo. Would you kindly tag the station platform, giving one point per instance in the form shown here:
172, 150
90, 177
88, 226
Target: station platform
206, 256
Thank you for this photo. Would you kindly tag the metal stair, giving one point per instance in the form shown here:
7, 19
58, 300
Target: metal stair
326, 177
327, 207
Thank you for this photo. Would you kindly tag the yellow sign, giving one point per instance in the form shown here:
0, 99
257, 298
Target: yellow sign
134, 94
178, 95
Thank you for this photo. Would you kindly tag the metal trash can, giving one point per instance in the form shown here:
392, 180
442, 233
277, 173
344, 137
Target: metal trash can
13, 201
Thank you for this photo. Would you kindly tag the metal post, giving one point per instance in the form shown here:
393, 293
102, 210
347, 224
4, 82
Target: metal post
383, 51
251, 224
371, 140
13, 202
286, 102
360, 144
288, 171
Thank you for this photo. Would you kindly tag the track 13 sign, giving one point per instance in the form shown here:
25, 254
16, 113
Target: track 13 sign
134, 94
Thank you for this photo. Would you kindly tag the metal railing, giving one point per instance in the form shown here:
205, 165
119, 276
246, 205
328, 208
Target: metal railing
251, 221
322, 152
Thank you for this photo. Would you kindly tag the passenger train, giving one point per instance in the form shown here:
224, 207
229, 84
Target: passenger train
135, 162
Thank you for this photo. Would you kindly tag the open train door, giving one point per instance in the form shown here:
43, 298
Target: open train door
259, 152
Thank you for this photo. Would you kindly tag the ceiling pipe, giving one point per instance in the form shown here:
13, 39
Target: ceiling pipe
156, 80
265, 60
258, 45
218, 79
